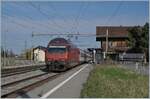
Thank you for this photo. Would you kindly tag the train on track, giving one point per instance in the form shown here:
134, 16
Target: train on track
62, 54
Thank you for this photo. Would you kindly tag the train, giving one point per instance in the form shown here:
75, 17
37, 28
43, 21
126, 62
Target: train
62, 54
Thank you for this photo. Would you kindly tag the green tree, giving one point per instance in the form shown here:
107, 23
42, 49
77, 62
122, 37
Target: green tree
145, 36
28, 54
138, 39
2, 52
145, 40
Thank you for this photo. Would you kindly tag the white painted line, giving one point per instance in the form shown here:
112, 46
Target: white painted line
62, 83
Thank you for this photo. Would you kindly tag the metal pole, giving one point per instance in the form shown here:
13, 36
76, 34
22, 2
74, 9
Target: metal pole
5, 48
94, 55
26, 53
32, 47
106, 42
4, 53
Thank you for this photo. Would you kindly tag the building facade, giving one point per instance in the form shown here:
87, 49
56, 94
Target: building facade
113, 40
39, 54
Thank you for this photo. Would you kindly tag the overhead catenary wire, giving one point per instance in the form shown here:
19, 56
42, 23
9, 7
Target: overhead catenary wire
19, 23
57, 13
14, 21
37, 23
76, 17
114, 13
75, 24
46, 15
81, 13
46, 26
33, 25
65, 34
107, 31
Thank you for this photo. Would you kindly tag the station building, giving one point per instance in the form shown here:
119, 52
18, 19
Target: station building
113, 40
39, 54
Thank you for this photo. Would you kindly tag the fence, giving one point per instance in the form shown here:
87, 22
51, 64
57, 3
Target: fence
137, 66
137, 57
9, 61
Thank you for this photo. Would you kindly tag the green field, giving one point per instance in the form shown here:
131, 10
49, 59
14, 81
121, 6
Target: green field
115, 82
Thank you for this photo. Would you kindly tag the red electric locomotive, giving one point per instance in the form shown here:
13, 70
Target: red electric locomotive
61, 54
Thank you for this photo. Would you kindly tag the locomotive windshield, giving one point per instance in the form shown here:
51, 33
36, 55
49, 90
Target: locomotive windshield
56, 50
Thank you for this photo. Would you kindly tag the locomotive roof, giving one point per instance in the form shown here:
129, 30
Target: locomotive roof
61, 41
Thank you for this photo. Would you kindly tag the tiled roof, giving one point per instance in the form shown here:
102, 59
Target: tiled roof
40, 47
113, 31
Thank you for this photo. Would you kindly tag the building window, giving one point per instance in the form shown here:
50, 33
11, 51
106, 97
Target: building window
124, 44
110, 44
114, 44
121, 44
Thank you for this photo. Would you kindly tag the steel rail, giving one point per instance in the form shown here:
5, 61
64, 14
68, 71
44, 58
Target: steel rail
29, 87
19, 70
22, 80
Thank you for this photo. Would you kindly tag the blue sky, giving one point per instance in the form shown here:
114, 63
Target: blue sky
21, 19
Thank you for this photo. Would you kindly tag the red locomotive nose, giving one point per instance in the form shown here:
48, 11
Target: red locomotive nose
61, 54
57, 57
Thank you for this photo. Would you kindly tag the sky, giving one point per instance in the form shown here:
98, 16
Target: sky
21, 19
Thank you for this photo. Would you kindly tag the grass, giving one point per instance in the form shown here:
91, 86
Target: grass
115, 82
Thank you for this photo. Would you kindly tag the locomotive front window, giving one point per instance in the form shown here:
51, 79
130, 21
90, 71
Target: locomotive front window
56, 50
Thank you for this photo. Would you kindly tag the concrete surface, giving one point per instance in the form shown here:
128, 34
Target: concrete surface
71, 89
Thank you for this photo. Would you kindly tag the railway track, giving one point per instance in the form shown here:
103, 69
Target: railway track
14, 88
20, 87
19, 70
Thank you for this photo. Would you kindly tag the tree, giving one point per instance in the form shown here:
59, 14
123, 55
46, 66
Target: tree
2, 52
145, 36
7, 53
11, 53
138, 39
145, 40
